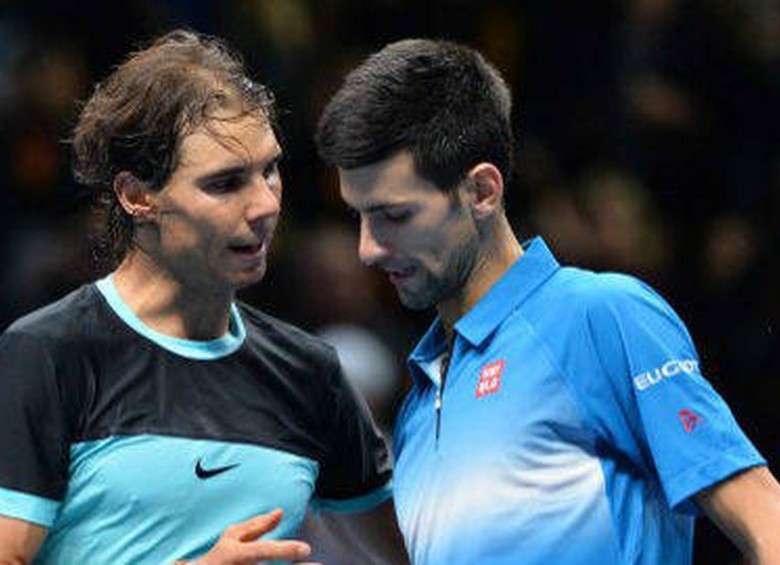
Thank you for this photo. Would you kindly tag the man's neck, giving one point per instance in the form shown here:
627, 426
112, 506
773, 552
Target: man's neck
166, 305
496, 257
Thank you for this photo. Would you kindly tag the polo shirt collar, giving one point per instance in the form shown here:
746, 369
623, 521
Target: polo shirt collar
527, 274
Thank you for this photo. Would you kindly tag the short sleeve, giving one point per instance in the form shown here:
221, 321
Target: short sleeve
33, 437
648, 357
356, 472
688, 430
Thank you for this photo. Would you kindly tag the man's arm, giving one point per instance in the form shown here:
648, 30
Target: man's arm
746, 507
369, 538
19, 541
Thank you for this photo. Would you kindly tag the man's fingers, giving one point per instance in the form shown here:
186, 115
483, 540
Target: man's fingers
255, 527
241, 544
281, 550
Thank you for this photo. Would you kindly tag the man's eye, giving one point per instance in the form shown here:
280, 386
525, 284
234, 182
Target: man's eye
225, 184
397, 216
271, 172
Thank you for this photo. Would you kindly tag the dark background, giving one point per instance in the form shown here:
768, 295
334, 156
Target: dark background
647, 143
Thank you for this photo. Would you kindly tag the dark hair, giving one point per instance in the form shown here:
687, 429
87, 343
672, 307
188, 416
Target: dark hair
441, 101
136, 118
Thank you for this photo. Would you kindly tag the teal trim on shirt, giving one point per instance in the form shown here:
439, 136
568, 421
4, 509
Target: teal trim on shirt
200, 350
352, 505
28, 507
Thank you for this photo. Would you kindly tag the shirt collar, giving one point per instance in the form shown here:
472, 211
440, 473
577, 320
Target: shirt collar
527, 274
200, 350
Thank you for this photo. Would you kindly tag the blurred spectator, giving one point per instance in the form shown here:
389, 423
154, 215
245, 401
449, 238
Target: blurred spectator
607, 222
341, 300
625, 223
663, 121
39, 204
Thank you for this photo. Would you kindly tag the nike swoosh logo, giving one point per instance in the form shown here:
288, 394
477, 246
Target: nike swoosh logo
202, 473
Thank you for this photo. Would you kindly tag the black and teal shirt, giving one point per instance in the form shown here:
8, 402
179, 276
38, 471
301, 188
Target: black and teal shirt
135, 447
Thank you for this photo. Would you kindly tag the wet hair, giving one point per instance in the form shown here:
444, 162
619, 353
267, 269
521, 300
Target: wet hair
136, 119
439, 100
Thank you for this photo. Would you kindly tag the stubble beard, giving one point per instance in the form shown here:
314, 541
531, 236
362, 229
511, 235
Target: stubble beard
434, 290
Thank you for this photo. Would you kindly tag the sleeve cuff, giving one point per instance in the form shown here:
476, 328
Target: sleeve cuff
353, 505
28, 507
691, 482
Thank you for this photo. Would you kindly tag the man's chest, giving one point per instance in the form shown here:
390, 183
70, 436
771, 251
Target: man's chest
175, 451
512, 448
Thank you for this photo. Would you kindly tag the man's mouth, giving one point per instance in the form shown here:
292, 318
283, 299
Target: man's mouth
248, 249
399, 275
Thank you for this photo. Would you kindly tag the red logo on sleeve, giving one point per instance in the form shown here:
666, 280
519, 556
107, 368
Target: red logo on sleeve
690, 419
490, 378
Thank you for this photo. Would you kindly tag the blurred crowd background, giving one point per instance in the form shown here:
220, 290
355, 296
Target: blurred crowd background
648, 142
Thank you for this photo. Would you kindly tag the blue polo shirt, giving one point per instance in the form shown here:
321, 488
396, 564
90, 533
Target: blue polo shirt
574, 427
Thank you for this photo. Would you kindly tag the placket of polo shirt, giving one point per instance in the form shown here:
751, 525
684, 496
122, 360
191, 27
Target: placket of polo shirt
437, 405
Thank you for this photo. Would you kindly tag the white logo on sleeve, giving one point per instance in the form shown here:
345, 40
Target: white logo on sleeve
671, 368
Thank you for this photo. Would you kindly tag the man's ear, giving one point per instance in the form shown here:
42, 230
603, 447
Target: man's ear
134, 196
487, 186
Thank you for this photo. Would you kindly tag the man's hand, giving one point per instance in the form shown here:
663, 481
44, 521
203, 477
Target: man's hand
239, 544
19, 541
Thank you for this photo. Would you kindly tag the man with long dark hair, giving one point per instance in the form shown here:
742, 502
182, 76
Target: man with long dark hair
146, 413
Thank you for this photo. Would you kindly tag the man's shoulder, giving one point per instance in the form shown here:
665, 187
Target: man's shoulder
605, 313
589, 285
271, 330
67, 317
52, 338
576, 289
577, 301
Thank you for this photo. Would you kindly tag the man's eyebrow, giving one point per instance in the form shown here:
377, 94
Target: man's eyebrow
381, 206
221, 173
239, 169
277, 156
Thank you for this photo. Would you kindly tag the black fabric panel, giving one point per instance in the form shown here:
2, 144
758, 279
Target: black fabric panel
34, 443
358, 459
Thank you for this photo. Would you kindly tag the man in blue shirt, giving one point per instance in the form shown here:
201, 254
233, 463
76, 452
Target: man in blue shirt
556, 415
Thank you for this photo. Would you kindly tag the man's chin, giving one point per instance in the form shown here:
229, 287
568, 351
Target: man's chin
246, 279
415, 301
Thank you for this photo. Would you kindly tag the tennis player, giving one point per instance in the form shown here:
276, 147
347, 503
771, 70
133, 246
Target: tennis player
150, 417
556, 415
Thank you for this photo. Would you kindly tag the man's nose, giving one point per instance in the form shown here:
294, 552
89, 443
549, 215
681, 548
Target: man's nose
370, 249
263, 200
